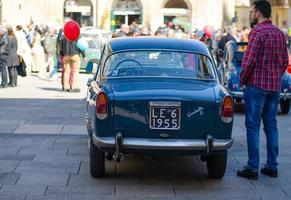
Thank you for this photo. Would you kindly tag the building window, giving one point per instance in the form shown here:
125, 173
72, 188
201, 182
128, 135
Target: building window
177, 15
125, 12
176, 4
79, 10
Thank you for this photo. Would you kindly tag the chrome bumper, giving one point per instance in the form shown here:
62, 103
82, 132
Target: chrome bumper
162, 144
236, 94
285, 95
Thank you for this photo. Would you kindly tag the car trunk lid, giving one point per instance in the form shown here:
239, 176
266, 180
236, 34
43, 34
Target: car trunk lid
152, 105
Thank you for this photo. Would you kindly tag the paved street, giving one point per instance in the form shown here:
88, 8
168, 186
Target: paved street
44, 155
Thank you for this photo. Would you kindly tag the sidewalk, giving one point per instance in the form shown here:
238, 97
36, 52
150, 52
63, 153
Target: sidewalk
39, 106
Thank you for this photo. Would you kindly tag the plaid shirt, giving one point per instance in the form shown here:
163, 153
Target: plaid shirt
266, 57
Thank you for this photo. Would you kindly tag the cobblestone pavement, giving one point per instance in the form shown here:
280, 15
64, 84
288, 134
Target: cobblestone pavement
44, 155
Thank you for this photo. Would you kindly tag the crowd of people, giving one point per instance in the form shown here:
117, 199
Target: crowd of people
42, 49
39, 50
33, 46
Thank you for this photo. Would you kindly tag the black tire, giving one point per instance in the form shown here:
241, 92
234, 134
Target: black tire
97, 161
285, 106
216, 165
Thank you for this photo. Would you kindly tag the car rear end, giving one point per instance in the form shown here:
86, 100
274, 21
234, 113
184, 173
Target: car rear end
161, 102
160, 110
285, 94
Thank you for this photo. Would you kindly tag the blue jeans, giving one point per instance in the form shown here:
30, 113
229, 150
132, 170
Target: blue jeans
261, 104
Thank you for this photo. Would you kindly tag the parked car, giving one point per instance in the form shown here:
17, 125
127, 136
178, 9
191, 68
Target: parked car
231, 68
95, 39
231, 71
158, 96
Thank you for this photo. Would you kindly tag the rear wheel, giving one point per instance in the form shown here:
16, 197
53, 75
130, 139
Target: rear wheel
97, 161
285, 106
216, 165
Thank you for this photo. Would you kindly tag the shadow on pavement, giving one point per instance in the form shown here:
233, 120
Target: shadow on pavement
51, 89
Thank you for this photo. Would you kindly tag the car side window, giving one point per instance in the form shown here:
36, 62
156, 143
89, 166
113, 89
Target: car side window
104, 55
203, 69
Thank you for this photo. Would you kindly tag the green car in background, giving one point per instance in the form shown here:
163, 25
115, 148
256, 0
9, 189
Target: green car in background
95, 38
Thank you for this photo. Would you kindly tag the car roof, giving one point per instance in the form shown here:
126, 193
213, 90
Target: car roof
156, 43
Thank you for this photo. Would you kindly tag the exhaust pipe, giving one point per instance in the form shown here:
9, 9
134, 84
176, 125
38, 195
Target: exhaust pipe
118, 156
209, 144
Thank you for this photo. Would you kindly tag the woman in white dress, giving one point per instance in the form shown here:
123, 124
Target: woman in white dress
37, 52
23, 49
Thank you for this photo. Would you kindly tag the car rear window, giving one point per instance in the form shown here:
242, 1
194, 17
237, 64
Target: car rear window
159, 64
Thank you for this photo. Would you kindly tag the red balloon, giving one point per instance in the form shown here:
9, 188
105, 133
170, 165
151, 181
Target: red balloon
71, 30
208, 30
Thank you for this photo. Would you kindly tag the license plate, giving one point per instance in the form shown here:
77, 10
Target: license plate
165, 116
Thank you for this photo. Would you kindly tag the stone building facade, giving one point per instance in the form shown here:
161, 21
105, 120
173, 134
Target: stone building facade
109, 14
190, 14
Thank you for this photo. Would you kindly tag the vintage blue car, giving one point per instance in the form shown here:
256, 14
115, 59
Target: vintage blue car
158, 97
231, 71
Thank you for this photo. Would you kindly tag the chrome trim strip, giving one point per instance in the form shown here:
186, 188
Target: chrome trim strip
162, 144
165, 103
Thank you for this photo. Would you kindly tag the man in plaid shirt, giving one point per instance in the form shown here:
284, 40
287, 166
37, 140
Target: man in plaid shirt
264, 63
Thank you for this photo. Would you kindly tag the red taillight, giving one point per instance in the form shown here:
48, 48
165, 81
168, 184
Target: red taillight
102, 106
288, 69
227, 109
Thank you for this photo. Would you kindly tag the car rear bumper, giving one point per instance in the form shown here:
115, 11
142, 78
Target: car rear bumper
236, 94
285, 95
109, 143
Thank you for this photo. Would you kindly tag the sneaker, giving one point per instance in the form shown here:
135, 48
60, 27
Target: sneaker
246, 172
268, 172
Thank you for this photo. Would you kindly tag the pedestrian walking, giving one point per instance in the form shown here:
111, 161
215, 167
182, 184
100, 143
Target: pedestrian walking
264, 63
38, 56
13, 58
59, 55
23, 48
71, 65
4, 48
49, 49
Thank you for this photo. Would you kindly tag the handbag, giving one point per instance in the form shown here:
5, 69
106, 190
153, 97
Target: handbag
21, 68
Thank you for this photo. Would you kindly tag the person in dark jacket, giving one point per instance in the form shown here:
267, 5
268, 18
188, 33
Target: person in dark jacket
224, 39
59, 55
71, 65
4, 48
13, 59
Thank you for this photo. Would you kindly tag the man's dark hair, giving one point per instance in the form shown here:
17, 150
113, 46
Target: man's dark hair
264, 7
